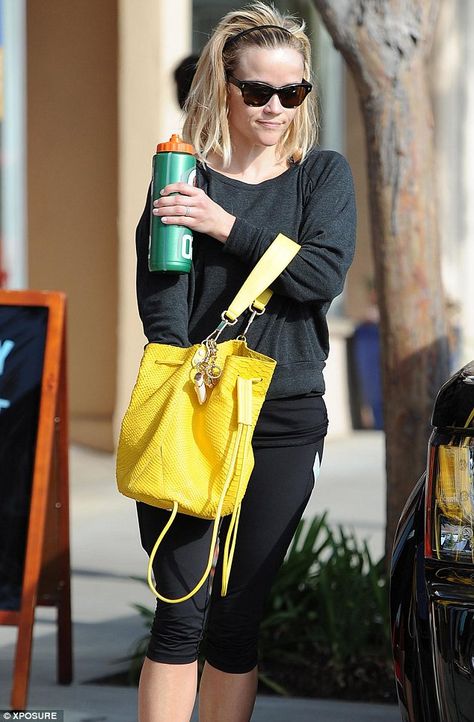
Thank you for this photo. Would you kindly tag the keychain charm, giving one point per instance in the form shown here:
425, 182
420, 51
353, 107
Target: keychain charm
200, 387
207, 371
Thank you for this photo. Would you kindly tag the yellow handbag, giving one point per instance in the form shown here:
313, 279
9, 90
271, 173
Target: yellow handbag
185, 439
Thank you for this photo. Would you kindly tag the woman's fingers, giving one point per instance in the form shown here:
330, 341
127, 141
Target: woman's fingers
182, 213
174, 209
177, 204
183, 188
183, 205
175, 200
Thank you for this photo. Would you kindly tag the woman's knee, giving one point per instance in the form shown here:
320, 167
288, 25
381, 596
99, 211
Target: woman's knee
231, 643
175, 638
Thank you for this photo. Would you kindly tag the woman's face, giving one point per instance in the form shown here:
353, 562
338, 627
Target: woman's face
263, 126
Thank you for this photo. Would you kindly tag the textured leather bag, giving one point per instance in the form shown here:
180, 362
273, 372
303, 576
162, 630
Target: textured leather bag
185, 440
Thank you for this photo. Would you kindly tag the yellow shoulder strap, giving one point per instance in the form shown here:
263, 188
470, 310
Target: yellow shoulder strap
255, 289
262, 300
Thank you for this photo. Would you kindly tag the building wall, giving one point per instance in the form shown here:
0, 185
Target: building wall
153, 39
72, 192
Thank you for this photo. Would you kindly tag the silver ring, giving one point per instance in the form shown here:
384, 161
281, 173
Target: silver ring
188, 211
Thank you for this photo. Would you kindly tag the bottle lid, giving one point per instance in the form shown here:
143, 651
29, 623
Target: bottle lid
176, 144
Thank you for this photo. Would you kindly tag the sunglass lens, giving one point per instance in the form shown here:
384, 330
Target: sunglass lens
256, 96
292, 97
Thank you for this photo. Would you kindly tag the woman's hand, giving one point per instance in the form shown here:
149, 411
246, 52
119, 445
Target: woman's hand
192, 207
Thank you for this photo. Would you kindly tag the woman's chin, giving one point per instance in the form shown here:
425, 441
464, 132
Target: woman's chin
268, 139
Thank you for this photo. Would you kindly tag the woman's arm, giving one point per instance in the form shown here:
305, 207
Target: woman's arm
162, 297
327, 237
326, 234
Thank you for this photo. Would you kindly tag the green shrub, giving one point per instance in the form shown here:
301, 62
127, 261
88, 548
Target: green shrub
328, 610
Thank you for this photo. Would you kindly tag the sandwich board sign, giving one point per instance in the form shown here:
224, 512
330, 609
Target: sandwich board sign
34, 496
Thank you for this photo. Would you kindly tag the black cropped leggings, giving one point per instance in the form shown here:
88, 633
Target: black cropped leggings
277, 494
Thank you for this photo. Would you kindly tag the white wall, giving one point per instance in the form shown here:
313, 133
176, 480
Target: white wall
153, 38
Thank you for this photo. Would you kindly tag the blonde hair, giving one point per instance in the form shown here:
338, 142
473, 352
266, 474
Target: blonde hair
206, 125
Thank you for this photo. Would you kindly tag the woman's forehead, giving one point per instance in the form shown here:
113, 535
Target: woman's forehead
262, 61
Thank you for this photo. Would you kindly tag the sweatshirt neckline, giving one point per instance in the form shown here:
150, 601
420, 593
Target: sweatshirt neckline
236, 183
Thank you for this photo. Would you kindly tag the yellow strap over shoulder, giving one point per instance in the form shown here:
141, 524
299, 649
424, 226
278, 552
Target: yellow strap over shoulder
255, 289
262, 300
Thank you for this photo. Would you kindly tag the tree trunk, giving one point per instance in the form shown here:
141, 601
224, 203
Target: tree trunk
385, 45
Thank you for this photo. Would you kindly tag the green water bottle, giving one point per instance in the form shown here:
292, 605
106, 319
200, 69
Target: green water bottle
171, 247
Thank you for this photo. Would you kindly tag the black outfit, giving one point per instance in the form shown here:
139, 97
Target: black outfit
312, 203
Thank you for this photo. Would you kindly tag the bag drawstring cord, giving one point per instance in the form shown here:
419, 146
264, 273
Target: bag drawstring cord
244, 411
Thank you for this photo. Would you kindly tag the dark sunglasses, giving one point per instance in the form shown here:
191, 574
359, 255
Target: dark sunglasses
257, 94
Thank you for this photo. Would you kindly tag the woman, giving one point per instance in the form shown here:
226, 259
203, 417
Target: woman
250, 118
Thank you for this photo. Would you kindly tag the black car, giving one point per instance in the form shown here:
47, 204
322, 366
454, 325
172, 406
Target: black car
432, 574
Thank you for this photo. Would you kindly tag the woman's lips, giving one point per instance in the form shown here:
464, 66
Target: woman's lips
269, 124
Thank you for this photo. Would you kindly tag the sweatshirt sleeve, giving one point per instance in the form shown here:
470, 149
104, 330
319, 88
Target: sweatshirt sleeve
326, 236
162, 297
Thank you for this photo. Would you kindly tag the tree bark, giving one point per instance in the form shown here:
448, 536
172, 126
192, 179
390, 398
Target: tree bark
385, 44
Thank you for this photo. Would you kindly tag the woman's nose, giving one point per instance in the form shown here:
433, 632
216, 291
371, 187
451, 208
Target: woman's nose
274, 105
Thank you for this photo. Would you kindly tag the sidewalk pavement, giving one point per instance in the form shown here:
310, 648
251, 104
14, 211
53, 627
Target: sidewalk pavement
105, 553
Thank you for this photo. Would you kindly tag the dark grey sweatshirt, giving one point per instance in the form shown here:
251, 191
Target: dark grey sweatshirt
313, 204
